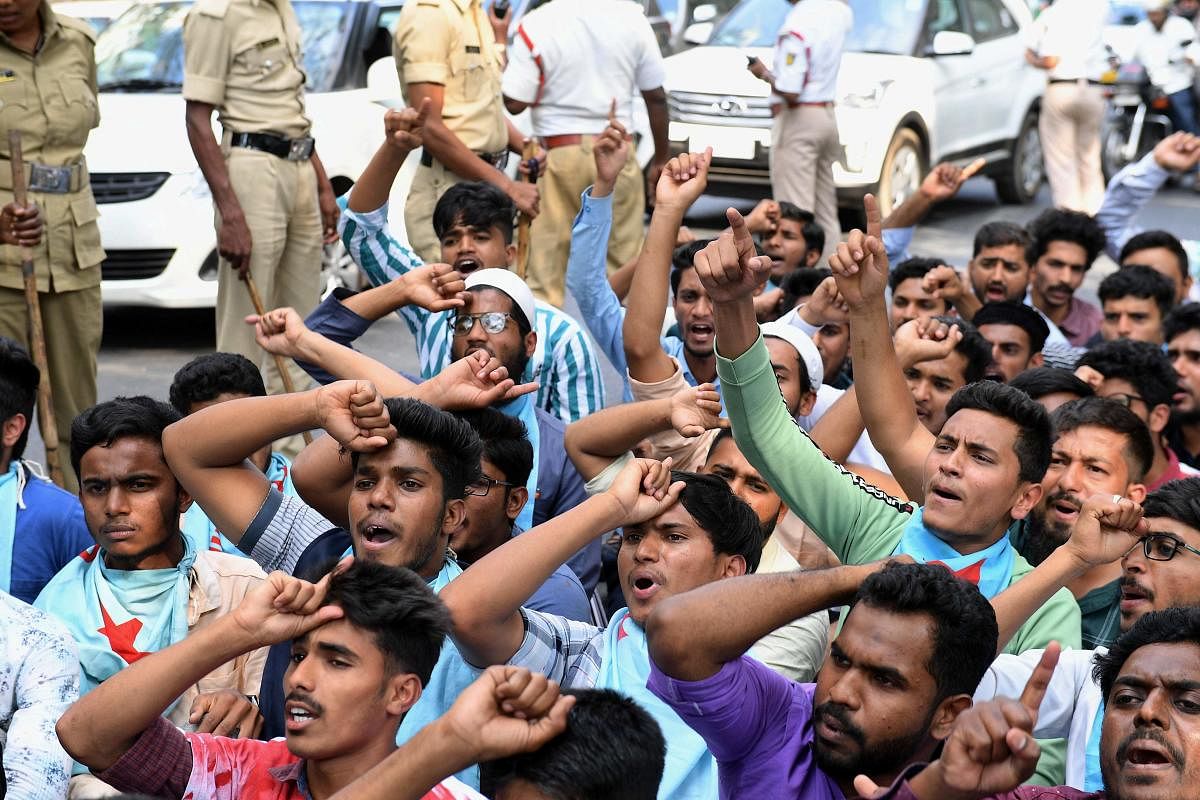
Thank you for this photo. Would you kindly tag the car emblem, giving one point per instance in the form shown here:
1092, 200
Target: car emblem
730, 105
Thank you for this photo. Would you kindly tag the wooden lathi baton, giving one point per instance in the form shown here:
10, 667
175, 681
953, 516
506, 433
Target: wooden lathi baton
34, 331
529, 157
288, 386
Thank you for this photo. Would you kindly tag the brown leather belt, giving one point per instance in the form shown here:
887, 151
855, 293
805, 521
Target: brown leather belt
565, 140
821, 104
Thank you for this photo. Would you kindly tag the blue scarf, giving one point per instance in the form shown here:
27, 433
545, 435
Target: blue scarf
198, 528
690, 772
1093, 781
524, 409
10, 495
990, 569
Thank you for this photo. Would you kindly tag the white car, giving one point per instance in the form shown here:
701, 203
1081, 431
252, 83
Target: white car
921, 82
97, 13
156, 213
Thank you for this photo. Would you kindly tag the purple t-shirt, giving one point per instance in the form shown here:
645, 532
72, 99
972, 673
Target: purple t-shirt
758, 725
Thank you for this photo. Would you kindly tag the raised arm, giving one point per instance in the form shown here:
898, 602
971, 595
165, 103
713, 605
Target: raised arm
485, 600
682, 182
1135, 185
403, 132
942, 183
692, 635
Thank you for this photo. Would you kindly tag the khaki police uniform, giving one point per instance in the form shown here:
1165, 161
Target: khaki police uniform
244, 57
450, 43
50, 97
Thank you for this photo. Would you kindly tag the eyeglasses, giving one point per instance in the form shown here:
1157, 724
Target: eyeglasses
481, 487
492, 321
1124, 399
1164, 546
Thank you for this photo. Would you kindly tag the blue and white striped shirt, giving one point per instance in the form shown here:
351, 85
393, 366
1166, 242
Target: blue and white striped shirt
563, 363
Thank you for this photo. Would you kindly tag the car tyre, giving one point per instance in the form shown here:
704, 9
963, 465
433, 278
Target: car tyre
1024, 172
904, 167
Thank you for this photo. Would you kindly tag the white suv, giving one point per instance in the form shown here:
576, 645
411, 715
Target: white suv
922, 81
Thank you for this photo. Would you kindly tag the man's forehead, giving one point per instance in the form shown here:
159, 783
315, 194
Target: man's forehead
402, 454
1175, 527
875, 637
126, 454
675, 516
1004, 332
487, 298
1008, 252
952, 368
726, 453
910, 287
1165, 662
1091, 442
688, 279
974, 425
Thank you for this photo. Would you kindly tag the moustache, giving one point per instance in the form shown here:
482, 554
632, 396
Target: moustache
1063, 495
1060, 287
1151, 735
840, 714
306, 699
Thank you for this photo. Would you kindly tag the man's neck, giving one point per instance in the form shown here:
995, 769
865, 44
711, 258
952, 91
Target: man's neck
1160, 464
967, 543
1191, 438
6, 461
1094, 578
167, 556
329, 776
703, 368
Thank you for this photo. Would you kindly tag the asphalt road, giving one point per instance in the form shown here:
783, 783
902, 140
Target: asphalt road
142, 348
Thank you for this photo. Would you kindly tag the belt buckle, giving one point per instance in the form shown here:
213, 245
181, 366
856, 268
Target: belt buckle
49, 180
301, 149
499, 160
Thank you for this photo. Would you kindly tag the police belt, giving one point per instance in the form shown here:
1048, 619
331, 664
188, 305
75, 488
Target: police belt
300, 149
497, 160
46, 179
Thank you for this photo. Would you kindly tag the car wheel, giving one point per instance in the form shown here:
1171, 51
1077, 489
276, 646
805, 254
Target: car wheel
338, 269
1022, 177
904, 167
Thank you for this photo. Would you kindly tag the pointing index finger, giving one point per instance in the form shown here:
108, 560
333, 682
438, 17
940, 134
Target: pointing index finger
612, 112
741, 234
1039, 681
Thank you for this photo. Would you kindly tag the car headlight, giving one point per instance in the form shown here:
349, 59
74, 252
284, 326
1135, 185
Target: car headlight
194, 185
867, 96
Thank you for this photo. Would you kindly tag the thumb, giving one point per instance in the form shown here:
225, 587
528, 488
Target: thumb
612, 112
423, 112
252, 319
867, 787
199, 709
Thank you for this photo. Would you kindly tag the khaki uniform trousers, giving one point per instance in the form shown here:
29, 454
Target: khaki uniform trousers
72, 322
279, 200
804, 145
1069, 126
428, 186
569, 170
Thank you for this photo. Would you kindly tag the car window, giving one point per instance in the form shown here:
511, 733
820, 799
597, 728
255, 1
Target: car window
880, 26
944, 15
990, 20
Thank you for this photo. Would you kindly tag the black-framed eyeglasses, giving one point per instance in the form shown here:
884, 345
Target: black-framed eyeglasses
1125, 399
1164, 546
492, 322
481, 487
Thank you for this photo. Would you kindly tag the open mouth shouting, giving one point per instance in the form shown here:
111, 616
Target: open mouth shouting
465, 265
1064, 508
299, 714
701, 333
376, 535
1135, 597
644, 584
995, 293
1146, 754
942, 495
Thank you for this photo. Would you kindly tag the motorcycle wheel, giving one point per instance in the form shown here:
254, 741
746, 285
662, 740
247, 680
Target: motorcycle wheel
1112, 146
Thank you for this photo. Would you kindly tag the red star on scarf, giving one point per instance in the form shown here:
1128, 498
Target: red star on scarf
120, 637
969, 573
621, 632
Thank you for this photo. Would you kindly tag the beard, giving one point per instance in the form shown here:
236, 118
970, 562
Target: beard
1186, 418
876, 759
1042, 539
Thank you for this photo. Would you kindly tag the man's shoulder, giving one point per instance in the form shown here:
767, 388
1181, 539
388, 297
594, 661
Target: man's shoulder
228, 566
212, 8
553, 318
424, 12
77, 30
49, 500
32, 627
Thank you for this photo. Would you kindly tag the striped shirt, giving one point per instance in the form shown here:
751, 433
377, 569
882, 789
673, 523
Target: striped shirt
562, 649
563, 363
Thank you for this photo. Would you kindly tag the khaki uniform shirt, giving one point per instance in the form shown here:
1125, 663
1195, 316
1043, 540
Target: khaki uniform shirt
450, 42
244, 57
50, 97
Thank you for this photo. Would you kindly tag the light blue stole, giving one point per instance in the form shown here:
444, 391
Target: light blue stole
204, 535
690, 772
523, 408
990, 569
10, 493
1093, 781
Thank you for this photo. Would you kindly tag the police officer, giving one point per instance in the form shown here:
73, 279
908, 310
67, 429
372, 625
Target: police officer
274, 204
804, 137
48, 93
452, 52
569, 61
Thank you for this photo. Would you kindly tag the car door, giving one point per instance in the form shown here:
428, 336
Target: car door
997, 67
955, 104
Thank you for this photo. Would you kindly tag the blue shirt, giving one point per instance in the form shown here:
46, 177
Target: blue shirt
49, 532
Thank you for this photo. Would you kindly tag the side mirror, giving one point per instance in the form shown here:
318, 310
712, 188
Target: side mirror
698, 33
383, 84
951, 43
704, 13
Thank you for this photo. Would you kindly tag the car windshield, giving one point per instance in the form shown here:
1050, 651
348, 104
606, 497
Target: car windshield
880, 26
142, 50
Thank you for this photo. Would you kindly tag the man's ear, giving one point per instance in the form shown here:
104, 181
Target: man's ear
1160, 415
1037, 360
453, 516
807, 401
401, 693
1029, 495
735, 566
945, 715
1136, 492
812, 257
183, 496
530, 346
510, 255
517, 497
11, 430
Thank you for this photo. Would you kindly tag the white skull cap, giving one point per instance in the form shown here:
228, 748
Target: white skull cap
809, 355
510, 284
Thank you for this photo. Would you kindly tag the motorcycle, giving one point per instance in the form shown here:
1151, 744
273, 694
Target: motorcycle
1136, 119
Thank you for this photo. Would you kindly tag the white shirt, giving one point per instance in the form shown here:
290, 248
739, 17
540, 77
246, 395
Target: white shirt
808, 49
580, 55
1072, 30
1163, 55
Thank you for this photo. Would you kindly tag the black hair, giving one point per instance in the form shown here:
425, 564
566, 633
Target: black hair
409, 622
138, 417
612, 749
1062, 225
683, 258
731, 524
965, 632
1000, 234
1136, 280
972, 346
1041, 381
454, 448
19, 378
722, 435
911, 268
211, 375
1183, 319
1110, 415
1169, 626
476, 204
1147, 240
505, 442
813, 233
1143, 364
801, 282
1178, 500
1034, 432
1007, 312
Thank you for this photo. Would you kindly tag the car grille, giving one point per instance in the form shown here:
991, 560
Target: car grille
132, 265
720, 109
125, 187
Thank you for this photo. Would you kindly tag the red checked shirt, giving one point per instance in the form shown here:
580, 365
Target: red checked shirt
165, 762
